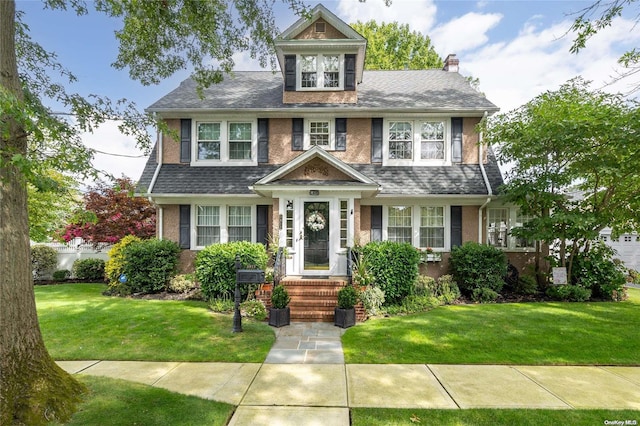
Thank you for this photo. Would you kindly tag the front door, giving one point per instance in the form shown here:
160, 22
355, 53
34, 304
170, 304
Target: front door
316, 236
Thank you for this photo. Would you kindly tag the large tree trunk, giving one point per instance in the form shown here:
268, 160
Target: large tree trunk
33, 389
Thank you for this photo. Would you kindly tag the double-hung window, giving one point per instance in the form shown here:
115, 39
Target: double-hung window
415, 141
319, 133
320, 72
500, 222
239, 223
207, 225
432, 140
399, 227
220, 141
432, 227
209, 141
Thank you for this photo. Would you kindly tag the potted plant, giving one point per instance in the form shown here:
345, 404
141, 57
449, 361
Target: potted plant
345, 313
279, 313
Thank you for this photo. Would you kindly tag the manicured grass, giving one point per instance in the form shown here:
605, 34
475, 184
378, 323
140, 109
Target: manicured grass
519, 333
78, 323
494, 417
118, 402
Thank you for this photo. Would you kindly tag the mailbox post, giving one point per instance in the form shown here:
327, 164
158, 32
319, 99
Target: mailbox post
243, 276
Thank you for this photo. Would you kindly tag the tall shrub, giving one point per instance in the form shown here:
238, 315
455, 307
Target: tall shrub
89, 269
44, 260
596, 270
394, 267
114, 267
215, 266
150, 264
476, 267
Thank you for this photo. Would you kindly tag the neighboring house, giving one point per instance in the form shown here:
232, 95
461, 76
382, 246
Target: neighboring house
627, 247
326, 155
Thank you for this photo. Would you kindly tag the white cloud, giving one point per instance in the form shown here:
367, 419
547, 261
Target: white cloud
419, 14
538, 59
107, 138
461, 34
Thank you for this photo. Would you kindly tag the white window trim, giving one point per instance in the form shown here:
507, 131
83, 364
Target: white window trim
320, 73
415, 224
512, 215
416, 147
332, 133
224, 219
224, 143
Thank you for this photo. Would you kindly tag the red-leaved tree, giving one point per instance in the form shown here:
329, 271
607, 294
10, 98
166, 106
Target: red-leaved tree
111, 212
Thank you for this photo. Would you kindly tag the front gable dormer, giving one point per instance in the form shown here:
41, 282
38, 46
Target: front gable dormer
321, 58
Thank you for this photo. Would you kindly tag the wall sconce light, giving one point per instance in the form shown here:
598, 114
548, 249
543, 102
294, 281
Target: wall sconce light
314, 192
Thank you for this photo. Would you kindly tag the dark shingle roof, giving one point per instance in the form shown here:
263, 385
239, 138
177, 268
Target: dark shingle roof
423, 90
446, 180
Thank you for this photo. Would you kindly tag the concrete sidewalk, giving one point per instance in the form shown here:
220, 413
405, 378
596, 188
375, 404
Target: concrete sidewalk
304, 381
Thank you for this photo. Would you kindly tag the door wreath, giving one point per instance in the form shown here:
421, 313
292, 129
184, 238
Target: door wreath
316, 221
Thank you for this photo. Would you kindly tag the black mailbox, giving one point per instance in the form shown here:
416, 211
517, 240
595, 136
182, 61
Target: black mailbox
249, 276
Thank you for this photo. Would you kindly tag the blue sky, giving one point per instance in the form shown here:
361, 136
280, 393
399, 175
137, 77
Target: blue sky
518, 49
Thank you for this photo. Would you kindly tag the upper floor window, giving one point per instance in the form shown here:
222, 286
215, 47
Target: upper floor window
319, 133
415, 141
320, 71
220, 141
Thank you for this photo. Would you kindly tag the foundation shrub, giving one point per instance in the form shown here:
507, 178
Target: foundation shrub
568, 293
484, 295
394, 267
525, 285
61, 275
215, 266
476, 267
114, 267
444, 288
89, 269
599, 272
44, 260
150, 264
372, 298
183, 283
253, 309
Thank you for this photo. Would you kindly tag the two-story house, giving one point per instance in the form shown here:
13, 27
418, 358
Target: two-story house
325, 155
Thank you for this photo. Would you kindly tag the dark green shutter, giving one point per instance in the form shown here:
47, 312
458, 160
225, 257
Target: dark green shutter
376, 140
456, 226
341, 134
263, 140
376, 223
297, 134
262, 223
349, 72
290, 73
185, 226
185, 140
456, 140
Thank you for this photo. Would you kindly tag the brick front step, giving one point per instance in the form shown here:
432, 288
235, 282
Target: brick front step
313, 299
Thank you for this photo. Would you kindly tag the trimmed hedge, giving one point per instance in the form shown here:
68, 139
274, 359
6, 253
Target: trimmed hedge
477, 267
89, 269
150, 264
215, 266
394, 267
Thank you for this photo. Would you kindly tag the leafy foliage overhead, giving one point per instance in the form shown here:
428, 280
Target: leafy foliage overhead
393, 46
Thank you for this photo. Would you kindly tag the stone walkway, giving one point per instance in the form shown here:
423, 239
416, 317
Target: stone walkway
307, 343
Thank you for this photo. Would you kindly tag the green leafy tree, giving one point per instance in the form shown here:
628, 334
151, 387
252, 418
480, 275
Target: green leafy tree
50, 209
392, 46
600, 15
574, 154
157, 39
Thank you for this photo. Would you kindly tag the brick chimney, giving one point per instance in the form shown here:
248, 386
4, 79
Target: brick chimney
451, 63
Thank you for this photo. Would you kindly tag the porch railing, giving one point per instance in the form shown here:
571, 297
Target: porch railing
279, 266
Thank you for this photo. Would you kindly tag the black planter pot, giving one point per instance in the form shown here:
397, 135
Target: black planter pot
279, 317
345, 318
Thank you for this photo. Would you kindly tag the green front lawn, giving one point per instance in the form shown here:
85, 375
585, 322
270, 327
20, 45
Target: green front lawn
118, 402
493, 417
518, 333
79, 323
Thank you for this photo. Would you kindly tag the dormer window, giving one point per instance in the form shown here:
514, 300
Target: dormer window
320, 72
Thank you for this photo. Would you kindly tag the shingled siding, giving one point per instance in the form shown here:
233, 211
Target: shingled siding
320, 97
171, 147
470, 141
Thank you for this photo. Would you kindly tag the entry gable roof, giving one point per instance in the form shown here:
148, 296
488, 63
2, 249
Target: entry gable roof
311, 154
